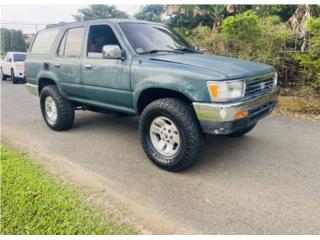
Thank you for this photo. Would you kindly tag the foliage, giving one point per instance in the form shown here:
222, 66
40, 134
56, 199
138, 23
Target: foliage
151, 13
99, 11
242, 27
32, 202
282, 11
310, 61
12, 40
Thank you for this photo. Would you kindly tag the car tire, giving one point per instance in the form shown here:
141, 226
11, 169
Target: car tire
13, 78
187, 141
242, 132
57, 111
3, 77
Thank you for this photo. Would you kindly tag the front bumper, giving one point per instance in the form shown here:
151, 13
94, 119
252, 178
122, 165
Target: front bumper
19, 73
219, 118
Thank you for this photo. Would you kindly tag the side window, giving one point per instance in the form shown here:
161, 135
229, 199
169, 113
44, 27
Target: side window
71, 43
99, 36
44, 40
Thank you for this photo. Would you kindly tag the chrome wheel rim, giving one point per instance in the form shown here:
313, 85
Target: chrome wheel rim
51, 110
165, 136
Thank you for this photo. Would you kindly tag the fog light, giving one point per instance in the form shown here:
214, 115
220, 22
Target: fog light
241, 115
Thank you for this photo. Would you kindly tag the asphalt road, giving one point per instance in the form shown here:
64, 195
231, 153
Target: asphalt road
267, 182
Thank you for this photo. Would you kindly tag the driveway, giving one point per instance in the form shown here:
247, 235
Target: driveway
267, 182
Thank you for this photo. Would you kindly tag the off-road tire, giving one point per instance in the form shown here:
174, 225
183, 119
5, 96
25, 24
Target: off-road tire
65, 109
13, 78
242, 132
191, 137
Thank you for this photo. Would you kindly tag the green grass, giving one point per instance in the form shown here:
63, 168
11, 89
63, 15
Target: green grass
34, 202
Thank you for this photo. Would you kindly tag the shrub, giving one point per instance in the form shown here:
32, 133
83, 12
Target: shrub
242, 27
309, 62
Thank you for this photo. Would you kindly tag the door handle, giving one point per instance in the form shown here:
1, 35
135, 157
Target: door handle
57, 65
88, 66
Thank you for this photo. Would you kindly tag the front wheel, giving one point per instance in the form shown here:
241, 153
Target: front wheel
170, 134
57, 111
13, 78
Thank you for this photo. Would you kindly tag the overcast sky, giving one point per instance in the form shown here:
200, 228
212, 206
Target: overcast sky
25, 17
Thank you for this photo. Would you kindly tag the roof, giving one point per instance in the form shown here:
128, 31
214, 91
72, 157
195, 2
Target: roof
101, 21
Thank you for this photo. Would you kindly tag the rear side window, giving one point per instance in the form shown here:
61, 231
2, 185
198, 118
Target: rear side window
44, 40
71, 43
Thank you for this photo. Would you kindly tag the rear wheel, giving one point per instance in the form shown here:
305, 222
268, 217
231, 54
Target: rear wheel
170, 134
242, 132
57, 111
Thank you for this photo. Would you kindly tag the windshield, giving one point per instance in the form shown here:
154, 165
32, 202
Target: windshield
19, 57
145, 38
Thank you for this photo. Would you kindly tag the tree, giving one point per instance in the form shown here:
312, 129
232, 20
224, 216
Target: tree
188, 17
283, 11
99, 11
12, 40
152, 13
216, 12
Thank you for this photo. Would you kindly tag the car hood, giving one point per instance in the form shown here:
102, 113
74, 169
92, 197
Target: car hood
231, 68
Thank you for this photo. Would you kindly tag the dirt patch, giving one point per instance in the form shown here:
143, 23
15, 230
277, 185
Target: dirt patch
104, 195
298, 107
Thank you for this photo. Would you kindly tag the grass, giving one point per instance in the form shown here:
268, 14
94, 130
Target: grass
34, 202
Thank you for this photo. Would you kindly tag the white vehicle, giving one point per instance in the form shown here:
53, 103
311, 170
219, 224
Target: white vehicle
13, 66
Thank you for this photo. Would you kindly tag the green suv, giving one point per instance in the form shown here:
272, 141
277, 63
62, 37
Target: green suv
147, 69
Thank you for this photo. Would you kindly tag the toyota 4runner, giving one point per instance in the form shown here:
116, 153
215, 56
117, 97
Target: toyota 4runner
147, 69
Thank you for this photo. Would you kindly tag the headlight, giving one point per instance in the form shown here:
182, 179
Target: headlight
275, 80
222, 91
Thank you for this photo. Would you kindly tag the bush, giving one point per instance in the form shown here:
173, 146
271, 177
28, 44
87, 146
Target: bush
242, 27
309, 62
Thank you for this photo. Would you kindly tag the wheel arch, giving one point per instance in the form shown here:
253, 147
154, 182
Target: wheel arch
45, 81
149, 95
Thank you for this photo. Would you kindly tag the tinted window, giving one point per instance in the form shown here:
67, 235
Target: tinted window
19, 57
99, 36
73, 43
147, 37
44, 40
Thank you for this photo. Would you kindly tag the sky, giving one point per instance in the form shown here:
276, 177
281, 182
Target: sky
30, 18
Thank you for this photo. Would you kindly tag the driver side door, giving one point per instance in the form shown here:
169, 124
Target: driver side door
106, 82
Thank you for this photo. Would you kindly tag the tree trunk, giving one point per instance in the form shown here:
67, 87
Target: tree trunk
298, 22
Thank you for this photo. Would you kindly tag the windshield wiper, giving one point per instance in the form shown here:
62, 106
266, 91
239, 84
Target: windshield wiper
186, 49
161, 50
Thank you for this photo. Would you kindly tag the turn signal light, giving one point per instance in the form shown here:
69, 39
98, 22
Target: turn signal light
214, 90
241, 115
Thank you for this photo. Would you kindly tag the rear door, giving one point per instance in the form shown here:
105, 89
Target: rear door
67, 61
106, 81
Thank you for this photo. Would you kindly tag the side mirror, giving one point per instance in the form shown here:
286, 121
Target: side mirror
9, 60
111, 52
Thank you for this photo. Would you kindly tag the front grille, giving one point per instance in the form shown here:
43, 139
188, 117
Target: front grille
257, 88
259, 112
